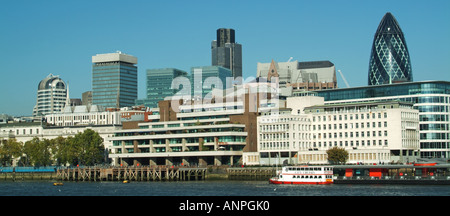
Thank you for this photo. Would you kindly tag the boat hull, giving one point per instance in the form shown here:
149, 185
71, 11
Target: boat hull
274, 181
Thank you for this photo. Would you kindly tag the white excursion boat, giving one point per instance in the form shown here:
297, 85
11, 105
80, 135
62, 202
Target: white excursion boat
304, 175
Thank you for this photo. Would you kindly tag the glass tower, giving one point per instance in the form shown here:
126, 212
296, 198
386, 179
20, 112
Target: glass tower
159, 85
204, 79
389, 59
114, 80
226, 52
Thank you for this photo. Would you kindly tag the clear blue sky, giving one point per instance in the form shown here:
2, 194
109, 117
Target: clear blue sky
60, 37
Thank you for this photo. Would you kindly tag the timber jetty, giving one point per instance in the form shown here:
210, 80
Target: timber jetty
139, 173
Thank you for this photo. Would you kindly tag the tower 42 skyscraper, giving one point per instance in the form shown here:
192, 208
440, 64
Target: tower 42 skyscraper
226, 52
389, 59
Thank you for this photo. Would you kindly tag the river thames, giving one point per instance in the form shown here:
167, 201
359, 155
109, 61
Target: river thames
213, 188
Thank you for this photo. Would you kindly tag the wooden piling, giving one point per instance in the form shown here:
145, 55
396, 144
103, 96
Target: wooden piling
159, 173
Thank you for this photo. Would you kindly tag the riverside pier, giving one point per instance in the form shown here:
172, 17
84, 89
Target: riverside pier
138, 173
424, 173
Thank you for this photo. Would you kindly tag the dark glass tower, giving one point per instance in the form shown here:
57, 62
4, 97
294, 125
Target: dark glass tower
226, 52
389, 59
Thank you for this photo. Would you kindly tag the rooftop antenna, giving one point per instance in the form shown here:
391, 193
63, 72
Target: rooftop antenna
345, 81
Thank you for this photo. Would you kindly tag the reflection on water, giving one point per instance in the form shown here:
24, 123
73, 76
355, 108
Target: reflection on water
212, 188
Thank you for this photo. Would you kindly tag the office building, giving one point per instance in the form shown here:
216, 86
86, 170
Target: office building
302, 76
84, 115
226, 52
389, 60
159, 85
216, 134
86, 98
114, 80
430, 98
52, 96
205, 78
371, 132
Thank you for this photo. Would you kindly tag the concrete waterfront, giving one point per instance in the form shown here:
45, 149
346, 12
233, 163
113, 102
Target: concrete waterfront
21, 176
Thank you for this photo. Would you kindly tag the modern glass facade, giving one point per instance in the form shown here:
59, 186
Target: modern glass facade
431, 98
114, 82
210, 74
389, 59
226, 52
159, 82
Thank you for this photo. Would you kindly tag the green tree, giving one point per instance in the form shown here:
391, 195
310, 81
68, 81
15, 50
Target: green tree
38, 152
10, 149
337, 155
61, 151
89, 148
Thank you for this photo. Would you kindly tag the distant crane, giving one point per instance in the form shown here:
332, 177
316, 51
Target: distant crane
345, 81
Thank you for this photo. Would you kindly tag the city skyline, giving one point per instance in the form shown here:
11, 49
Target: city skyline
59, 38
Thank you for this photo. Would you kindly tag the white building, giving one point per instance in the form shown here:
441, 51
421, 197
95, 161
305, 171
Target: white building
26, 131
84, 115
51, 96
371, 132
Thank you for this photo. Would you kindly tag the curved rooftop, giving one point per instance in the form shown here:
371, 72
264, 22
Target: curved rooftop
388, 25
389, 59
51, 81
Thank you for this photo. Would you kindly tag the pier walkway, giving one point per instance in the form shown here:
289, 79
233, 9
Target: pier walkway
141, 173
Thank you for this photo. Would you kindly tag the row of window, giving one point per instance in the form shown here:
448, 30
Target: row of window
351, 116
82, 117
351, 143
349, 134
350, 125
311, 176
307, 136
432, 108
434, 127
303, 127
220, 139
309, 169
435, 145
308, 145
24, 131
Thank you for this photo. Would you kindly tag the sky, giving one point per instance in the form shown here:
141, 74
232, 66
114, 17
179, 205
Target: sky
60, 37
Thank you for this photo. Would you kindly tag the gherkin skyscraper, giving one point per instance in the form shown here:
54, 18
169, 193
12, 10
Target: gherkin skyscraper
389, 59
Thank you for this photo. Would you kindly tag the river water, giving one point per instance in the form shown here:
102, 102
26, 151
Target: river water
213, 188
